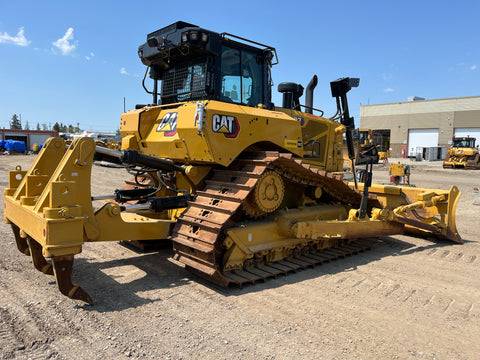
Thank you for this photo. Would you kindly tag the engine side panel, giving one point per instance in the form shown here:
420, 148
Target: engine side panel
227, 130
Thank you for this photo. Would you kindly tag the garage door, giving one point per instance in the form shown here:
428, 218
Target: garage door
420, 138
38, 138
472, 132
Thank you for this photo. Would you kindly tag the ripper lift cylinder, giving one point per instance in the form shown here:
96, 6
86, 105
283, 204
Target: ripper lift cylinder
133, 157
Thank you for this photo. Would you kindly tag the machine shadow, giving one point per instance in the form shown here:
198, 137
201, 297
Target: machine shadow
126, 283
113, 290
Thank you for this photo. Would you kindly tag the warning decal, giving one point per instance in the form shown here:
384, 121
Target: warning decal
293, 143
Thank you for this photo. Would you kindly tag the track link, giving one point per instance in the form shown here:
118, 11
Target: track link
199, 231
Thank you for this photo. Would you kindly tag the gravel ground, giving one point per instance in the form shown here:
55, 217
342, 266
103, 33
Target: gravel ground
406, 298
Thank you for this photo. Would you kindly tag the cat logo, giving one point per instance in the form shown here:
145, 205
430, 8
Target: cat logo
168, 125
227, 125
300, 120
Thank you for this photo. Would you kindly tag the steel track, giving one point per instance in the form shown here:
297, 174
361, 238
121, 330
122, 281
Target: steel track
199, 232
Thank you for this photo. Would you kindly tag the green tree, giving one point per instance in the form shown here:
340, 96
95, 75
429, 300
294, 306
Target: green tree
56, 127
15, 123
70, 128
38, 126
27, 125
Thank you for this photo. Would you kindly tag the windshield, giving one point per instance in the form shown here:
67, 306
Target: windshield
465, 143
363, 137
241, 77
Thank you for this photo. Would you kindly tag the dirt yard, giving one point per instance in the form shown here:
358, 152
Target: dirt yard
406, 298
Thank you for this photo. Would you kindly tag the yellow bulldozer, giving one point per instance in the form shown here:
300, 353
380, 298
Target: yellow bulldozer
462, 154
365, 149
370, 144
399, 172
245, 190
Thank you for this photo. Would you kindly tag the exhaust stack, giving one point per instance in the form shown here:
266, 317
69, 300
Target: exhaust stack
309, 94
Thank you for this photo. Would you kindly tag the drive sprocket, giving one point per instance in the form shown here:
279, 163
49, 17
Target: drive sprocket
267, 196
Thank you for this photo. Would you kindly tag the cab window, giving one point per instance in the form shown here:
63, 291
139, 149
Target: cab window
241, 77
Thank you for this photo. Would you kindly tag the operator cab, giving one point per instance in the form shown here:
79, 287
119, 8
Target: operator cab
464, 142
197, 64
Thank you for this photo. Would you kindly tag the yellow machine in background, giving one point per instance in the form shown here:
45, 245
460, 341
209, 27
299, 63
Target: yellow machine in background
372, 144
383, 155
243, 189
399, 172
35, 148
462, 154
364, 147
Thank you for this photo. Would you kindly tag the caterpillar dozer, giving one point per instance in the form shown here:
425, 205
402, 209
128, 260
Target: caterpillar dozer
365, 148
462, 154
245, 190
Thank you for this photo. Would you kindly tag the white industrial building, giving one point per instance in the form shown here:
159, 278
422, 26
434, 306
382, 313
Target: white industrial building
419, 124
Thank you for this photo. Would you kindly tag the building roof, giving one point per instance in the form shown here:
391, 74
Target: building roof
422, 106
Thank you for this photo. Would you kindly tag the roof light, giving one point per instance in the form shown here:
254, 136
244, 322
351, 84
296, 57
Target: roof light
204, 37
152, 42
194, 35
184, 37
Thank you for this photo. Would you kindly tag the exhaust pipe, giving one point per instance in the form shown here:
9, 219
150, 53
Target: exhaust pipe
309, 94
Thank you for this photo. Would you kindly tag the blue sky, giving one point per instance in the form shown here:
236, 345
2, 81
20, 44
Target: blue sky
74, 62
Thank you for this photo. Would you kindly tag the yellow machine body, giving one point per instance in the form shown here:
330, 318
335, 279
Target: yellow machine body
174, 133
243, 192
398, 172
462, 154
383, 155
52, 214
462, 157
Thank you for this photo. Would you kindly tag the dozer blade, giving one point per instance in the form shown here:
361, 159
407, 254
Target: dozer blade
424, 212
